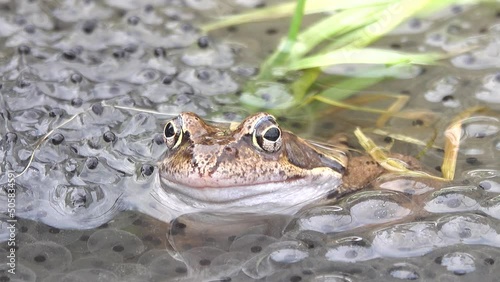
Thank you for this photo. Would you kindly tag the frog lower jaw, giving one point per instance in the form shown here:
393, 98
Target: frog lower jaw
224, 180
275, 197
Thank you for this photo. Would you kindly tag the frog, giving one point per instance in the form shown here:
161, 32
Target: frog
256, 166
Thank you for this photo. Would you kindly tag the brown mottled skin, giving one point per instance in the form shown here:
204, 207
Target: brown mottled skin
211, 156
362, 170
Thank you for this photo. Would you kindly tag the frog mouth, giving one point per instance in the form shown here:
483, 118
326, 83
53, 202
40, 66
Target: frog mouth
312, 177
205, 183
319, 181
281, 197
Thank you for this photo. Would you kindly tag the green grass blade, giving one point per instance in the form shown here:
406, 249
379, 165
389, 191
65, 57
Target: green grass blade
302, 85
285, 48
392, 16
274, 12
282, 53
348, 87
343, 105
334, 25
287, 9
354, 25
364, 56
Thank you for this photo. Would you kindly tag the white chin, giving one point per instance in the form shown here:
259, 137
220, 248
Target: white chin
278, 198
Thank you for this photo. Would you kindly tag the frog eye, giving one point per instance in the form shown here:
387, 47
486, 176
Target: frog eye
267, 136
173, 133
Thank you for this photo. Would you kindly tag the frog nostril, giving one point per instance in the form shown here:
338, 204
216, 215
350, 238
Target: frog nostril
231, 151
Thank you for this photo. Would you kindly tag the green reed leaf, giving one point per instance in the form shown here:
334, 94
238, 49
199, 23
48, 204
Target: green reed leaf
364, 56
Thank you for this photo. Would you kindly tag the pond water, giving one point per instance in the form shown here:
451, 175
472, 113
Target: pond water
109, 74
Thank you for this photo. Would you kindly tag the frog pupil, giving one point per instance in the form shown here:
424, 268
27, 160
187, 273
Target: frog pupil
272, 134
169, 130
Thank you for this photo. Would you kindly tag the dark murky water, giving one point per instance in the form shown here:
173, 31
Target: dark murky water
87, 206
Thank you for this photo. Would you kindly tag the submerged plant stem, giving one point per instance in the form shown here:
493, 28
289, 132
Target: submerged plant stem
452, 141
390, 164
281, 56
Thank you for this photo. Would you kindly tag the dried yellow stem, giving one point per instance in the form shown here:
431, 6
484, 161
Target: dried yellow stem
452, 141
390, 164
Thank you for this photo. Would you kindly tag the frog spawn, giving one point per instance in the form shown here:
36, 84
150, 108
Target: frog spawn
348, 240
309, 254
81, 182
362, 232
